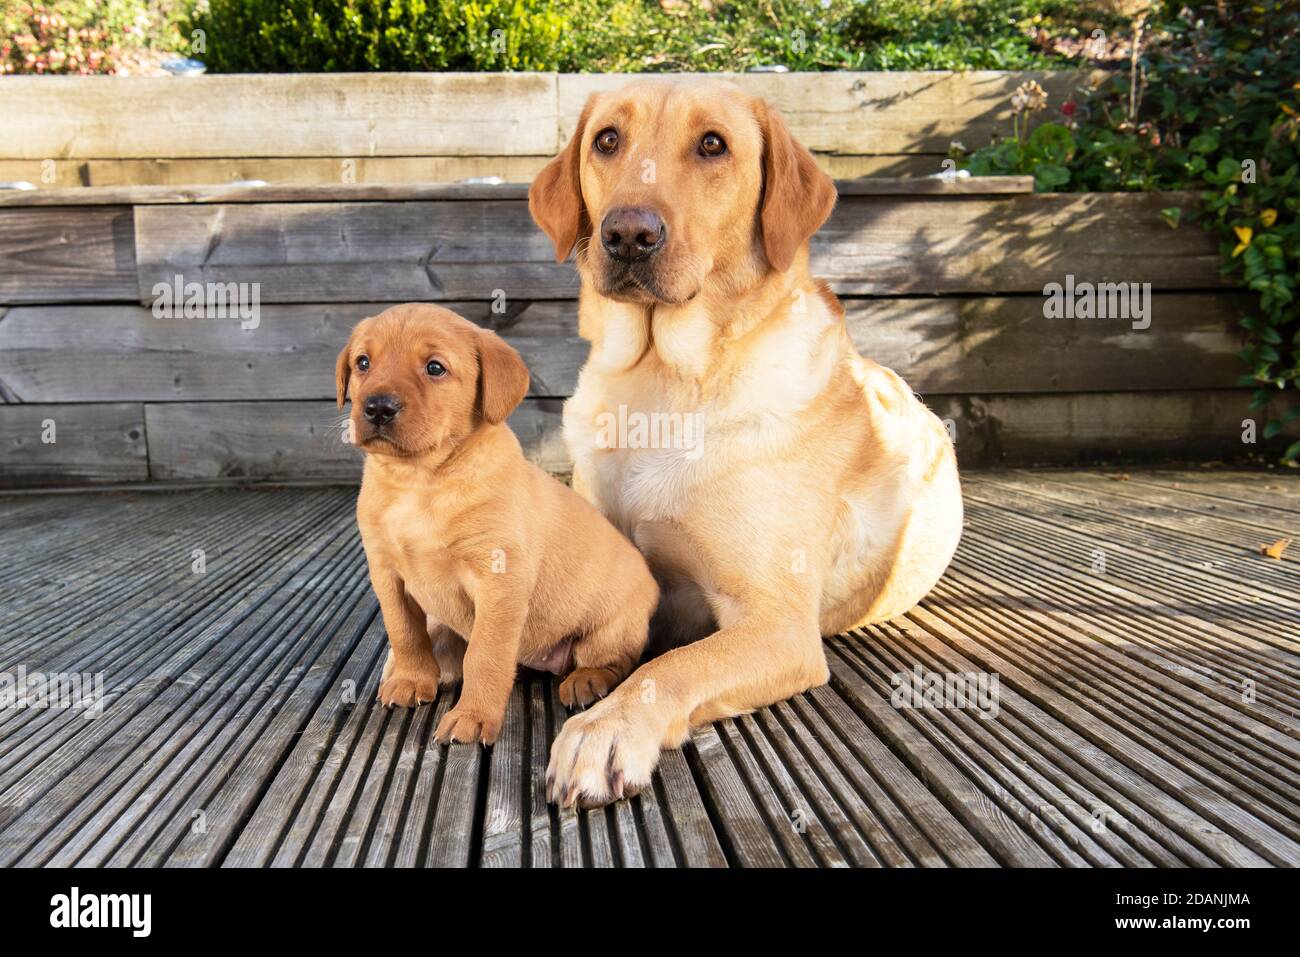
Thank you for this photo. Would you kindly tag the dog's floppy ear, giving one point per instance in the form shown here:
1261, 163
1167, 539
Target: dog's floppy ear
797, 196
502, 377
555, 198
343, 372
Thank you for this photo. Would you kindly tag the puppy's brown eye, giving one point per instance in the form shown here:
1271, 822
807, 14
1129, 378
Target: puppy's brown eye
436, 369
363, 363
712, 145
607, 140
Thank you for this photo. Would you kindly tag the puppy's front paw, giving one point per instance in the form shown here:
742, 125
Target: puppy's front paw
468, 725
406, 689
604, 754
586, 685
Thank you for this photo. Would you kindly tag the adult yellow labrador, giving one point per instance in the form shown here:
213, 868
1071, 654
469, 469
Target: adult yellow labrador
797, 489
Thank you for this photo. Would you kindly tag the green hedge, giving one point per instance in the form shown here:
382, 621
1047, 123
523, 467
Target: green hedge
359, 35
638, 35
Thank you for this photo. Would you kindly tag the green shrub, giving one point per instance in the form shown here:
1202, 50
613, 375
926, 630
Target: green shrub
630, 36
361, 35
1212, 105
966, 34
635, 35
570, 35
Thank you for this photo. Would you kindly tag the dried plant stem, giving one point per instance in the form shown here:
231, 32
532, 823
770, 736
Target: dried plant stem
1134, 100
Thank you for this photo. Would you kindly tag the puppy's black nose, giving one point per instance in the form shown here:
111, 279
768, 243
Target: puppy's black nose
381, 409
631, 233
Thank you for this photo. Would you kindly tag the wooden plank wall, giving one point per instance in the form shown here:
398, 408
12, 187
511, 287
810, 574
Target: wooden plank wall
412, 127
942, 283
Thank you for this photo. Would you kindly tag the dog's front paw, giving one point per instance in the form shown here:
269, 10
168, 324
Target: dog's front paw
406, 689
468, 725
604, 754
586, 685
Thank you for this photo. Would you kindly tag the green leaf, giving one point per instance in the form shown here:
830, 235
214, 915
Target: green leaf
1007, 155
1052, 142
1172, 216
1227, 171
1049, 176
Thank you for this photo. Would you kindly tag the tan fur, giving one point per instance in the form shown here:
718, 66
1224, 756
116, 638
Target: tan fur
480, 560
826, 495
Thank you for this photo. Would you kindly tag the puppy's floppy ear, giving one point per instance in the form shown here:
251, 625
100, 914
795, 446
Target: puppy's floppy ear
555, 198
502, 377
343, 372
797, 196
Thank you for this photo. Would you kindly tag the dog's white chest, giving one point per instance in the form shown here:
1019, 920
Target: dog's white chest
641, 459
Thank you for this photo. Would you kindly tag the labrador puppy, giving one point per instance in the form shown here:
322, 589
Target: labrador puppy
817, 493
480, 560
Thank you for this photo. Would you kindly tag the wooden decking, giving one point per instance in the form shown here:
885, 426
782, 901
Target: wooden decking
1147, 658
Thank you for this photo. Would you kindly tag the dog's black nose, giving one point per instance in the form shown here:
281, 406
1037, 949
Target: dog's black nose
631, 233
381, 409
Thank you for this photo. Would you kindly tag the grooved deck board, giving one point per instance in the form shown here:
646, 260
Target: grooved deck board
1146, 710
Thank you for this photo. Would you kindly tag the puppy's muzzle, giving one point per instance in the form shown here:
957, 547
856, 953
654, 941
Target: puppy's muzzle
380, 410
632, 233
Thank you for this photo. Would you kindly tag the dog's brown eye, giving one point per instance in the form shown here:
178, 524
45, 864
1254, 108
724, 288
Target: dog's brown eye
363, 363
712, 145
607, 140
436, 369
